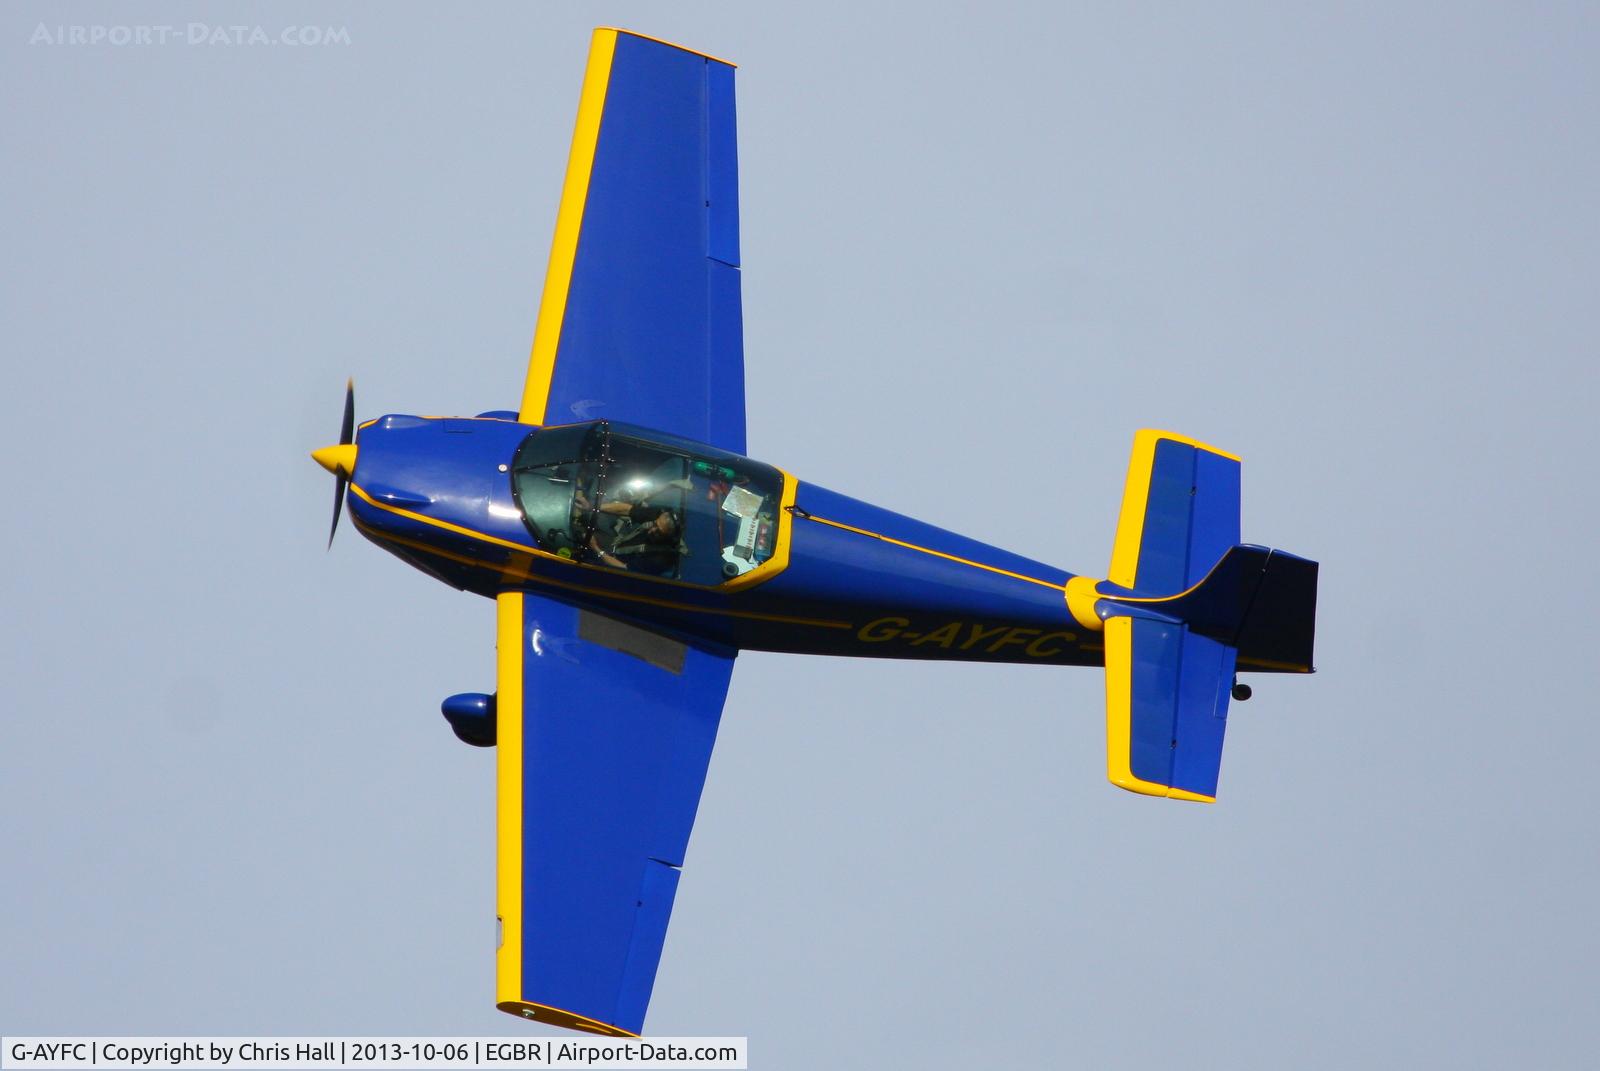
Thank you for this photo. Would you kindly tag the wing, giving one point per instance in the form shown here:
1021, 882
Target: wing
604, 734
641, 319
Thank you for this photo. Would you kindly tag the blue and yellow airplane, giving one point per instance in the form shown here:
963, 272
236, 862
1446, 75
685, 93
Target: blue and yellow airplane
632, 550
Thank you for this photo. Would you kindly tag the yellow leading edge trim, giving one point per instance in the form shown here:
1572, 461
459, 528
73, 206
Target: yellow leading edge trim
508, 797
511, 642
1136, 496
569, 221
1119, 717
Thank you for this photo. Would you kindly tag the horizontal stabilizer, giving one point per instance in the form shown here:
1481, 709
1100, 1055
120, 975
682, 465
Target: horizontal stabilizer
1166, 708
1180, 512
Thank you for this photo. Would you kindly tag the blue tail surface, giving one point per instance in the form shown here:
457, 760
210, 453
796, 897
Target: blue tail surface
1185, 606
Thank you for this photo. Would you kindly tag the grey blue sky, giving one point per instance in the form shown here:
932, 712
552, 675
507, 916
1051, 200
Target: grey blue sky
1356, 244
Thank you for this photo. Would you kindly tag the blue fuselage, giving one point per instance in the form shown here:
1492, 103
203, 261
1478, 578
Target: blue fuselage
845, 577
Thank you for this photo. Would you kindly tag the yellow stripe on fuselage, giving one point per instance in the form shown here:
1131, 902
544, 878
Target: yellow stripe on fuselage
759, 575
448, 527
569, 222
512, 574
938, 553
508, 798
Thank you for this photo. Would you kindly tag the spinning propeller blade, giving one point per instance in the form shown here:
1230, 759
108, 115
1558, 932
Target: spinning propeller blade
341, 459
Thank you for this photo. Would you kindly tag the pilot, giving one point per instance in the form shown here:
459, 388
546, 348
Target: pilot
645, 538
646, 541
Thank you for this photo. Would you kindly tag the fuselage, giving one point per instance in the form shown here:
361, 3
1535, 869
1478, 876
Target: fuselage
758, 559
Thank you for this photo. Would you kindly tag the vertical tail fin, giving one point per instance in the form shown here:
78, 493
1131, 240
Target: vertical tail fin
1261, 601
1185, 605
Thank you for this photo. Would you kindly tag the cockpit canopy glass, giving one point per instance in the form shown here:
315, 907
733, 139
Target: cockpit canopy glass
623, 497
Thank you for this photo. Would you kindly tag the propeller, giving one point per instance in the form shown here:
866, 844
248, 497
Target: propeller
341, 459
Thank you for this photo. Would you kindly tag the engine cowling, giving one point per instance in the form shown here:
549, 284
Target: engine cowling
472, 718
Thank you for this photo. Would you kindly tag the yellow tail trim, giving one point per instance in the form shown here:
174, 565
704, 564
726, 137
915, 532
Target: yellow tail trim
1136, 496
1081, 597
1119, 717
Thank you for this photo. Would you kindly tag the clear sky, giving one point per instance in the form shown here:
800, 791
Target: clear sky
1357, 246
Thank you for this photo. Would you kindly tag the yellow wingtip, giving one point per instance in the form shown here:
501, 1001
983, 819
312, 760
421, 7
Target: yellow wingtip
553, 1016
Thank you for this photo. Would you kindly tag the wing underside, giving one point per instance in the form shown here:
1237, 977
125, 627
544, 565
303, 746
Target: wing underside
641, 317
605, 731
